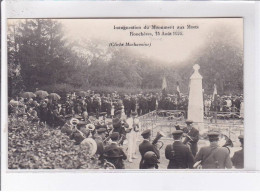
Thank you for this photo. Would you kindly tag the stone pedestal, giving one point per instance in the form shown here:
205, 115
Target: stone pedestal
195, 108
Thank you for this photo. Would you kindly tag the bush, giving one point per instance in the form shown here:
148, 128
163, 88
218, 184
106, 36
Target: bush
31, 146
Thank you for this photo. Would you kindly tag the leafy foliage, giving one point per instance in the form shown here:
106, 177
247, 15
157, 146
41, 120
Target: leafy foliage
39, 56
31, 146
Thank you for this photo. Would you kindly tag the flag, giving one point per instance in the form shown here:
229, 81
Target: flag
164, 87
178, 87
178, 90
214, 92
164, 84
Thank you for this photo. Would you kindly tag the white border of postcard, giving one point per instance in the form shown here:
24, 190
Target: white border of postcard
133, 180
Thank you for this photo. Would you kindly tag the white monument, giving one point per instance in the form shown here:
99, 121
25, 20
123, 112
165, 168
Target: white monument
195, 108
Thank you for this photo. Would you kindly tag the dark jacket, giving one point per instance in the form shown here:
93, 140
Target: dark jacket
114, 154
194, 134
179, 155
144, 147
100, 147
214, 157
119, 126
238, 159
77, 137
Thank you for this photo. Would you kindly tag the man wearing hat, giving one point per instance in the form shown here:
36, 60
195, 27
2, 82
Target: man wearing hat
115, 154
150, 160
97, 105
133, 103
99, 138
119, 125
213, 156
238, 158
127, 105
146, 146
191, 137
178, 153
133, 131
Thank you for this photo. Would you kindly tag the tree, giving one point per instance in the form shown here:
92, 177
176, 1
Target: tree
15, 82
39, 56
221, 62
38, 52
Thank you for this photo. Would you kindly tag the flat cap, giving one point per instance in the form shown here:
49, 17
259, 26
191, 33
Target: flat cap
146, 132
241, 137
213, 134
101, 130
177, 132
189, 121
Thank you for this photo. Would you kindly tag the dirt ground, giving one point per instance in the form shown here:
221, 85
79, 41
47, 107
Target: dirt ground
232, 128
163, 161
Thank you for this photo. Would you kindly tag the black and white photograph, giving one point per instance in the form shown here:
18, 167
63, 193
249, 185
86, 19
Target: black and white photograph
119, 94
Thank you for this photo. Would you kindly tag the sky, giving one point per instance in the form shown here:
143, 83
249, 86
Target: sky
173, 48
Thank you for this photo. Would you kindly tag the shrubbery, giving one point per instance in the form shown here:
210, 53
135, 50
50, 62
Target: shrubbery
31, 146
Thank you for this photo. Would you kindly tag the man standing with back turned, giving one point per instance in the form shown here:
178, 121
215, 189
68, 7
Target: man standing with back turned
178, 153
191, 137
146, 146
213, 156
238, 158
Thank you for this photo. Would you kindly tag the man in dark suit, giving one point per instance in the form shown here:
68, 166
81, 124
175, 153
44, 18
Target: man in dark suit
127, 105
115, 154
191, 137
178, 153
146, 146
99, 138
238, 158
133, 102
213, 156
119, 125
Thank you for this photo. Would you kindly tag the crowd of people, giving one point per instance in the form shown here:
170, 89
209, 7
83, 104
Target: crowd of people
183, 152
224, 104
123, 111
51, 110
90, 103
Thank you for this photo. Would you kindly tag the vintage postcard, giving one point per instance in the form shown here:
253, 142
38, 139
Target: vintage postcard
129, 93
